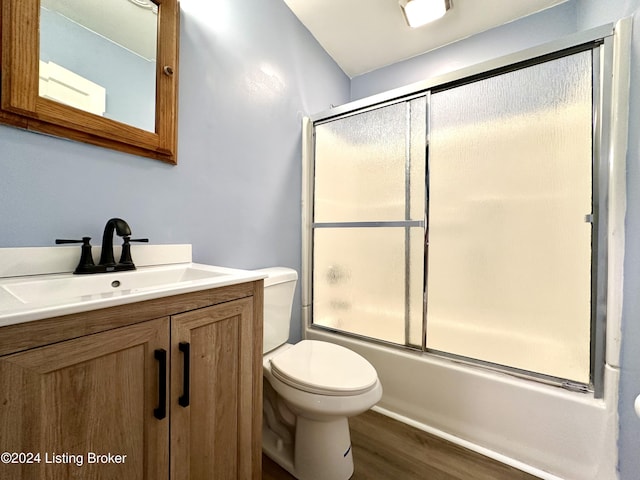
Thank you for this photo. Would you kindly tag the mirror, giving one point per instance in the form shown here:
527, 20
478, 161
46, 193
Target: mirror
94, 50
98, 71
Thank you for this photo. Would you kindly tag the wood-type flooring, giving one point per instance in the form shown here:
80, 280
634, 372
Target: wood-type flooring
385, 449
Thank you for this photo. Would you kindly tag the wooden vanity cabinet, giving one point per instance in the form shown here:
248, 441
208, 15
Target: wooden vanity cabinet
89, 394
83, 385
220, 342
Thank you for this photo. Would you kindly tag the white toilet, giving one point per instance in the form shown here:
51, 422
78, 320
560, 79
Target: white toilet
310, 390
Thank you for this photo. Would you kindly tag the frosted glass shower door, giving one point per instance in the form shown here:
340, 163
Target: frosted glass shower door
510, 183
368, 230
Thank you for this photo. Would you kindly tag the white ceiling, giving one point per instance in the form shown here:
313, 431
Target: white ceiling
363, 35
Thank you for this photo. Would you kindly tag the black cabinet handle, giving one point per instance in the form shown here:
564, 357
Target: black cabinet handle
185, 348
161, 355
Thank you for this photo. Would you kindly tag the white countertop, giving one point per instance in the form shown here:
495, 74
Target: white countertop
25, 298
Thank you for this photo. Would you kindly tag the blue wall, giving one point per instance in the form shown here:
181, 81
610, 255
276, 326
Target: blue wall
565, 19
249, 71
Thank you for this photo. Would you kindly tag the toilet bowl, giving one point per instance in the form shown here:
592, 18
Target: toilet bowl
310, 390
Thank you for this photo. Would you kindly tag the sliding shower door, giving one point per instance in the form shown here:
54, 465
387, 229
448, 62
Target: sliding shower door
470, 220
510, 210
368, 229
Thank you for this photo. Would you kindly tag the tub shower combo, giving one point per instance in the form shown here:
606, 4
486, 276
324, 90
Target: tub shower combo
471, 252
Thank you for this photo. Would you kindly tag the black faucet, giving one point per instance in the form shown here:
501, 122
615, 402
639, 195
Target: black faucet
107, 262
122, 230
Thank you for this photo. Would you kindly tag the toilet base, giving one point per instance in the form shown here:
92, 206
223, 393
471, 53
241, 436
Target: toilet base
278, 451
322, 450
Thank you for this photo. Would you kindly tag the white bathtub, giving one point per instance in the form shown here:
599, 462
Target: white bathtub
544, 430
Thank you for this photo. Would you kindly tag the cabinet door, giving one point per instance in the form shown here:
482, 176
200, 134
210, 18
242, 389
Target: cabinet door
212, 437
90, 395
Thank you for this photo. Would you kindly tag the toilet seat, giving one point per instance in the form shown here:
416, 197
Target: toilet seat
324, 368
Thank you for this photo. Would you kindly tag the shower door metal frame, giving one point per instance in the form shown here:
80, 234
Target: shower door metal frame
601, 50
407, 223
610, 54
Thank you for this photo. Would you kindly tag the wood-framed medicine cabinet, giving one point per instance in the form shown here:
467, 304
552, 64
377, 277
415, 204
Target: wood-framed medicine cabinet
23, 104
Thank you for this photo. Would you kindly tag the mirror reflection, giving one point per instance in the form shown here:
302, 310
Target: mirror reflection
100, 56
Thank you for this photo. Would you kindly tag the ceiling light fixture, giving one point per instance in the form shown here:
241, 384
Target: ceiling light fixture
420, 12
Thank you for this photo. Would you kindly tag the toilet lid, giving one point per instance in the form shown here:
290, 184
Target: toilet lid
324, 368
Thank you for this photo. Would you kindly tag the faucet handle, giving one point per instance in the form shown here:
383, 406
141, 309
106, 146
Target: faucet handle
84, 241
125, 257
86, 264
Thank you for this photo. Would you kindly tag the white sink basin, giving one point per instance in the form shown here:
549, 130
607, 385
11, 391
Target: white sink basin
30, 298
106, 284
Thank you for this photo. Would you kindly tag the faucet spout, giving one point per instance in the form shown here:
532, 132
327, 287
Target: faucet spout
121, 229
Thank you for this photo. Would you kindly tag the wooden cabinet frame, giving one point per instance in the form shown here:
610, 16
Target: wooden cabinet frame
40, 362
22, 106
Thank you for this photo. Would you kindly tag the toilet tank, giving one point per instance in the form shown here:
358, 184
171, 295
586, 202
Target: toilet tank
279, 287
